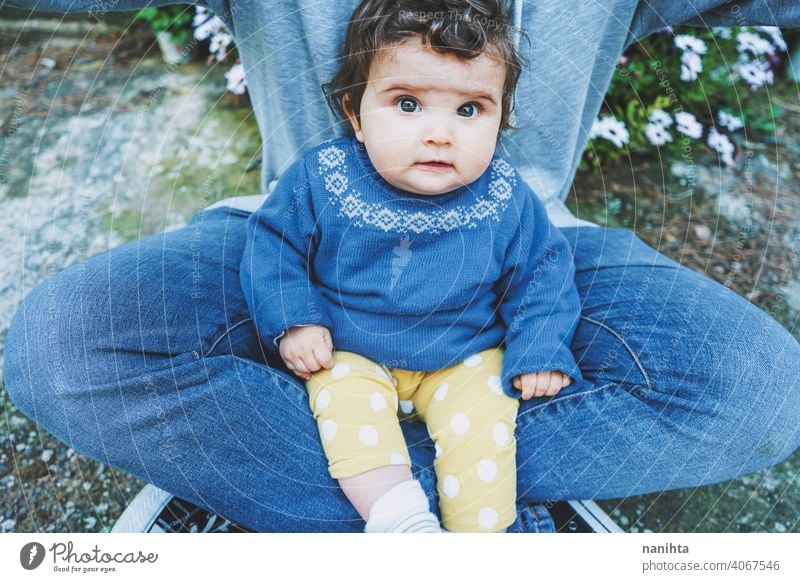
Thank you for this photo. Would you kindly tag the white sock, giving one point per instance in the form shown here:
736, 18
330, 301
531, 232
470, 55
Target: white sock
402, 509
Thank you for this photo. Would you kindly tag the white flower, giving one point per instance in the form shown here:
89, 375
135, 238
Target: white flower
756, 74
729, 122
687, 42
688, 125
748, 41
657, 134
691, 64
219, 42
205, 26
235, 77
722, 144
777, 37
660, 117
721, 31
611, 129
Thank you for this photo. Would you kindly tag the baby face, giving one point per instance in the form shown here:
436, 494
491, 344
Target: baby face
429, 121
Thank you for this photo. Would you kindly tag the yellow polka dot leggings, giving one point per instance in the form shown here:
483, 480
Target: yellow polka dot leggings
470, 419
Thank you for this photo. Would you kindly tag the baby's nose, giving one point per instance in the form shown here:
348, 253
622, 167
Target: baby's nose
438, 134
438, 130
438, 139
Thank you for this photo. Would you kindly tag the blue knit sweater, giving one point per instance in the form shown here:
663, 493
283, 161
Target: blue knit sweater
412, 281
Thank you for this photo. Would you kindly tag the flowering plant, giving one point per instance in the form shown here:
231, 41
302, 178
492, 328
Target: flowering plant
676, 90
203, 25
208, 26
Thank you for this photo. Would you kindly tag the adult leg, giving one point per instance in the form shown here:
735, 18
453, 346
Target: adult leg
144, 358
685, 383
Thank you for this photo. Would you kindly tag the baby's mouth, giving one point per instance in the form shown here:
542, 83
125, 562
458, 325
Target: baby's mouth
435, 166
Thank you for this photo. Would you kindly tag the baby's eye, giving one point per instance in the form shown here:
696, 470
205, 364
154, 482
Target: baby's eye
469, 110
407, 104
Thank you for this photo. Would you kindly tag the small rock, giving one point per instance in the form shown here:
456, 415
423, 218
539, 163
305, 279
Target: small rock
17, 422
702, 232
47, 63
32, 471
735, 207
46, 455
8, 525
791, 293
89, 522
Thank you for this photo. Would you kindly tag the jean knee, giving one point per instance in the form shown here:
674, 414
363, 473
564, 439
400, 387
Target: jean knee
14, 365
763, 399
37, 366
20, 363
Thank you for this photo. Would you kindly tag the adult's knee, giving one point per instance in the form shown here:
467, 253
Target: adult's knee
43, 371
727, 380
757, 393
776, 387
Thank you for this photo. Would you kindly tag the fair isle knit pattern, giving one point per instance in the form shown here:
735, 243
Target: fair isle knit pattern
333, 169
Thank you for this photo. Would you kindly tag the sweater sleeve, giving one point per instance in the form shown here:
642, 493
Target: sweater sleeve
277, 280
538, 299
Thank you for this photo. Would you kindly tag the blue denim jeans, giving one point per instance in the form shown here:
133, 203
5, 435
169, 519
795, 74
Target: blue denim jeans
145, 358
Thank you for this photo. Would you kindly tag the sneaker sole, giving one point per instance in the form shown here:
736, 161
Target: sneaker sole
153, 510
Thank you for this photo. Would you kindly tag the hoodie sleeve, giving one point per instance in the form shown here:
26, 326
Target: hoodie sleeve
538, 299
276, 271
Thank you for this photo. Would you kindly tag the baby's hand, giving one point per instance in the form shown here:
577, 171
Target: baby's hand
307, 349
541, 383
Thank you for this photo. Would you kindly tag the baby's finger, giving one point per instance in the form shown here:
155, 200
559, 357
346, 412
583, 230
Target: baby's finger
323, 354
299, 366
542, 383
290, 363
565, 380
516, 383
555, 384
528, 386
310, 361
326, 334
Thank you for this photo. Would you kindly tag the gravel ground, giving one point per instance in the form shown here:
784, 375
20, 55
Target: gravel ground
84, 122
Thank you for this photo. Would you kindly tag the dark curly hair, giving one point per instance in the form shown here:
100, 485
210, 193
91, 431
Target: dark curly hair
465, 28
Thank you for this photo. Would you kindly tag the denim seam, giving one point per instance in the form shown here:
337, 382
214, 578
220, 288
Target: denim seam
594, 268
280, 373
562, 399
646, 377
227, 331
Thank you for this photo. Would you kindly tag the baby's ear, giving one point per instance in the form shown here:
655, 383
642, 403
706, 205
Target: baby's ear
351, 116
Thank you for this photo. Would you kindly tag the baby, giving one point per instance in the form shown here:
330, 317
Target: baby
408, 264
